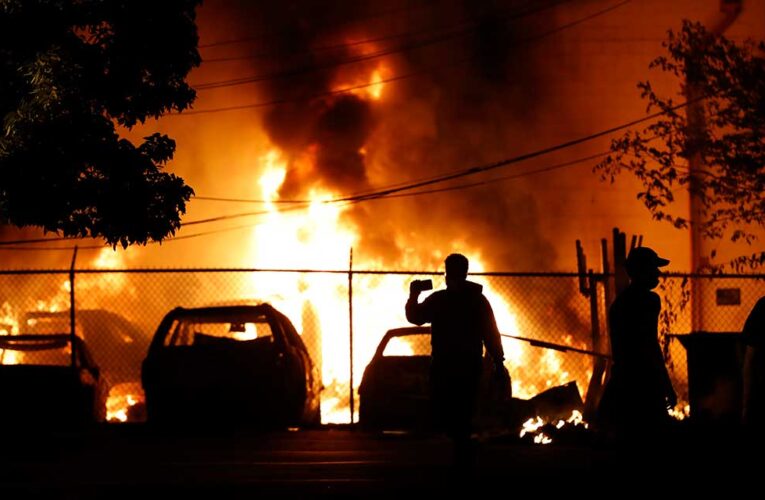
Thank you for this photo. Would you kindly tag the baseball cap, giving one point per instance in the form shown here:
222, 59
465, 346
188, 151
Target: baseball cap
642, 257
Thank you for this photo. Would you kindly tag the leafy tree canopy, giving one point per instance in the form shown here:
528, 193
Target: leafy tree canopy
71, 73
721, 128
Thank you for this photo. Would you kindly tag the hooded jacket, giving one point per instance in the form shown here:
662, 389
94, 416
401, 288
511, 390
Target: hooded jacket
462, 321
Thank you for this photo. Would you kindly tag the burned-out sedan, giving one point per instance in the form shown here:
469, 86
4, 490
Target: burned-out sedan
242, 365
117, 346
394, 391
49, 381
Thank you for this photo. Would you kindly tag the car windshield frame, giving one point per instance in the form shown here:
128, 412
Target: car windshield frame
48, 342
223, 314
184, 330
399, 333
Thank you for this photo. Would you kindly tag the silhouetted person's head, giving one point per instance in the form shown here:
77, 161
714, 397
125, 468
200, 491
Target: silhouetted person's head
456, 269
643, 267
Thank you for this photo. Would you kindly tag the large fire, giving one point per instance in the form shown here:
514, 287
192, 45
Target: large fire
318, 238
315, 235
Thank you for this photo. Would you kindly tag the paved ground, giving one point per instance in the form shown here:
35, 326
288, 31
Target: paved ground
134, 461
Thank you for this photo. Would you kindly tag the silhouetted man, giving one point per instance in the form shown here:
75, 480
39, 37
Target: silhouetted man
639, 391
462, 322
753, 407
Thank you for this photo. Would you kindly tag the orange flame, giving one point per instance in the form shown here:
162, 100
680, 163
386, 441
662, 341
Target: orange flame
121, 399
367, 87
532, 426
119, 402
8, 326
317, 238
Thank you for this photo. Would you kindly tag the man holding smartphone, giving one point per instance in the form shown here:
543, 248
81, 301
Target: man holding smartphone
462, 322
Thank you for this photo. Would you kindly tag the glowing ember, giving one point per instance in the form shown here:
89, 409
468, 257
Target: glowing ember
532, 426
542, 439
577, 418
680, 412
122, 398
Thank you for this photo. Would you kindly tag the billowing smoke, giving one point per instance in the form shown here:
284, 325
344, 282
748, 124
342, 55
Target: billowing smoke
470, 100
337, 134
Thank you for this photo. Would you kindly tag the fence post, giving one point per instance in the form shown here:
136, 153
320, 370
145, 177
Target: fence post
71, 306
350, 329
596, 381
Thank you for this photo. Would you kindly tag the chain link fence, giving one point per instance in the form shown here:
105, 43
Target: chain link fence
546, 321
717, 306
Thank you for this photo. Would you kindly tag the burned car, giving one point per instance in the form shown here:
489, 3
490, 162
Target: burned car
394, 392
49, 380
117, 346
240, 365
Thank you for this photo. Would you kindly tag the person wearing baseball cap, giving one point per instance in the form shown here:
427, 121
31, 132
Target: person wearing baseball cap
643, 261
639, 391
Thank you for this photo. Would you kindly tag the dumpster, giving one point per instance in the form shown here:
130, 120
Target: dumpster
715, 361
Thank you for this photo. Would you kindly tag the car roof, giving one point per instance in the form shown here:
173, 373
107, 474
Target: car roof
222, 310
400, 332
27, 341
46, 314
285, 329
408, 330
235, 302
44, 342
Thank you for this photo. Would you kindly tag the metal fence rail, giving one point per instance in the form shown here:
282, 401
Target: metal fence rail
548, 322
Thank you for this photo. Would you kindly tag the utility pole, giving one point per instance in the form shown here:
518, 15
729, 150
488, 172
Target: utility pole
730, 10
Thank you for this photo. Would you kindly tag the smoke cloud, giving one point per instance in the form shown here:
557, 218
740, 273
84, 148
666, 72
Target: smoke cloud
471, 101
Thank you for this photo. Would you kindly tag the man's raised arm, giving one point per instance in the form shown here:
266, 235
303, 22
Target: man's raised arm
416, 313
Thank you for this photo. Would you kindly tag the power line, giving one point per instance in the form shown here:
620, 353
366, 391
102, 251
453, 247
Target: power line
388, 191
38, 240
458, 187
446, 36
404, 76
289, 30
101, 247
503, 178
47, 249
245, 226
248, 200
338, 46
307, 69
301, 99
516, 159
320, 48
417, 193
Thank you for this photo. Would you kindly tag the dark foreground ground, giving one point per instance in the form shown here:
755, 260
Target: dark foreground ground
116, 461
